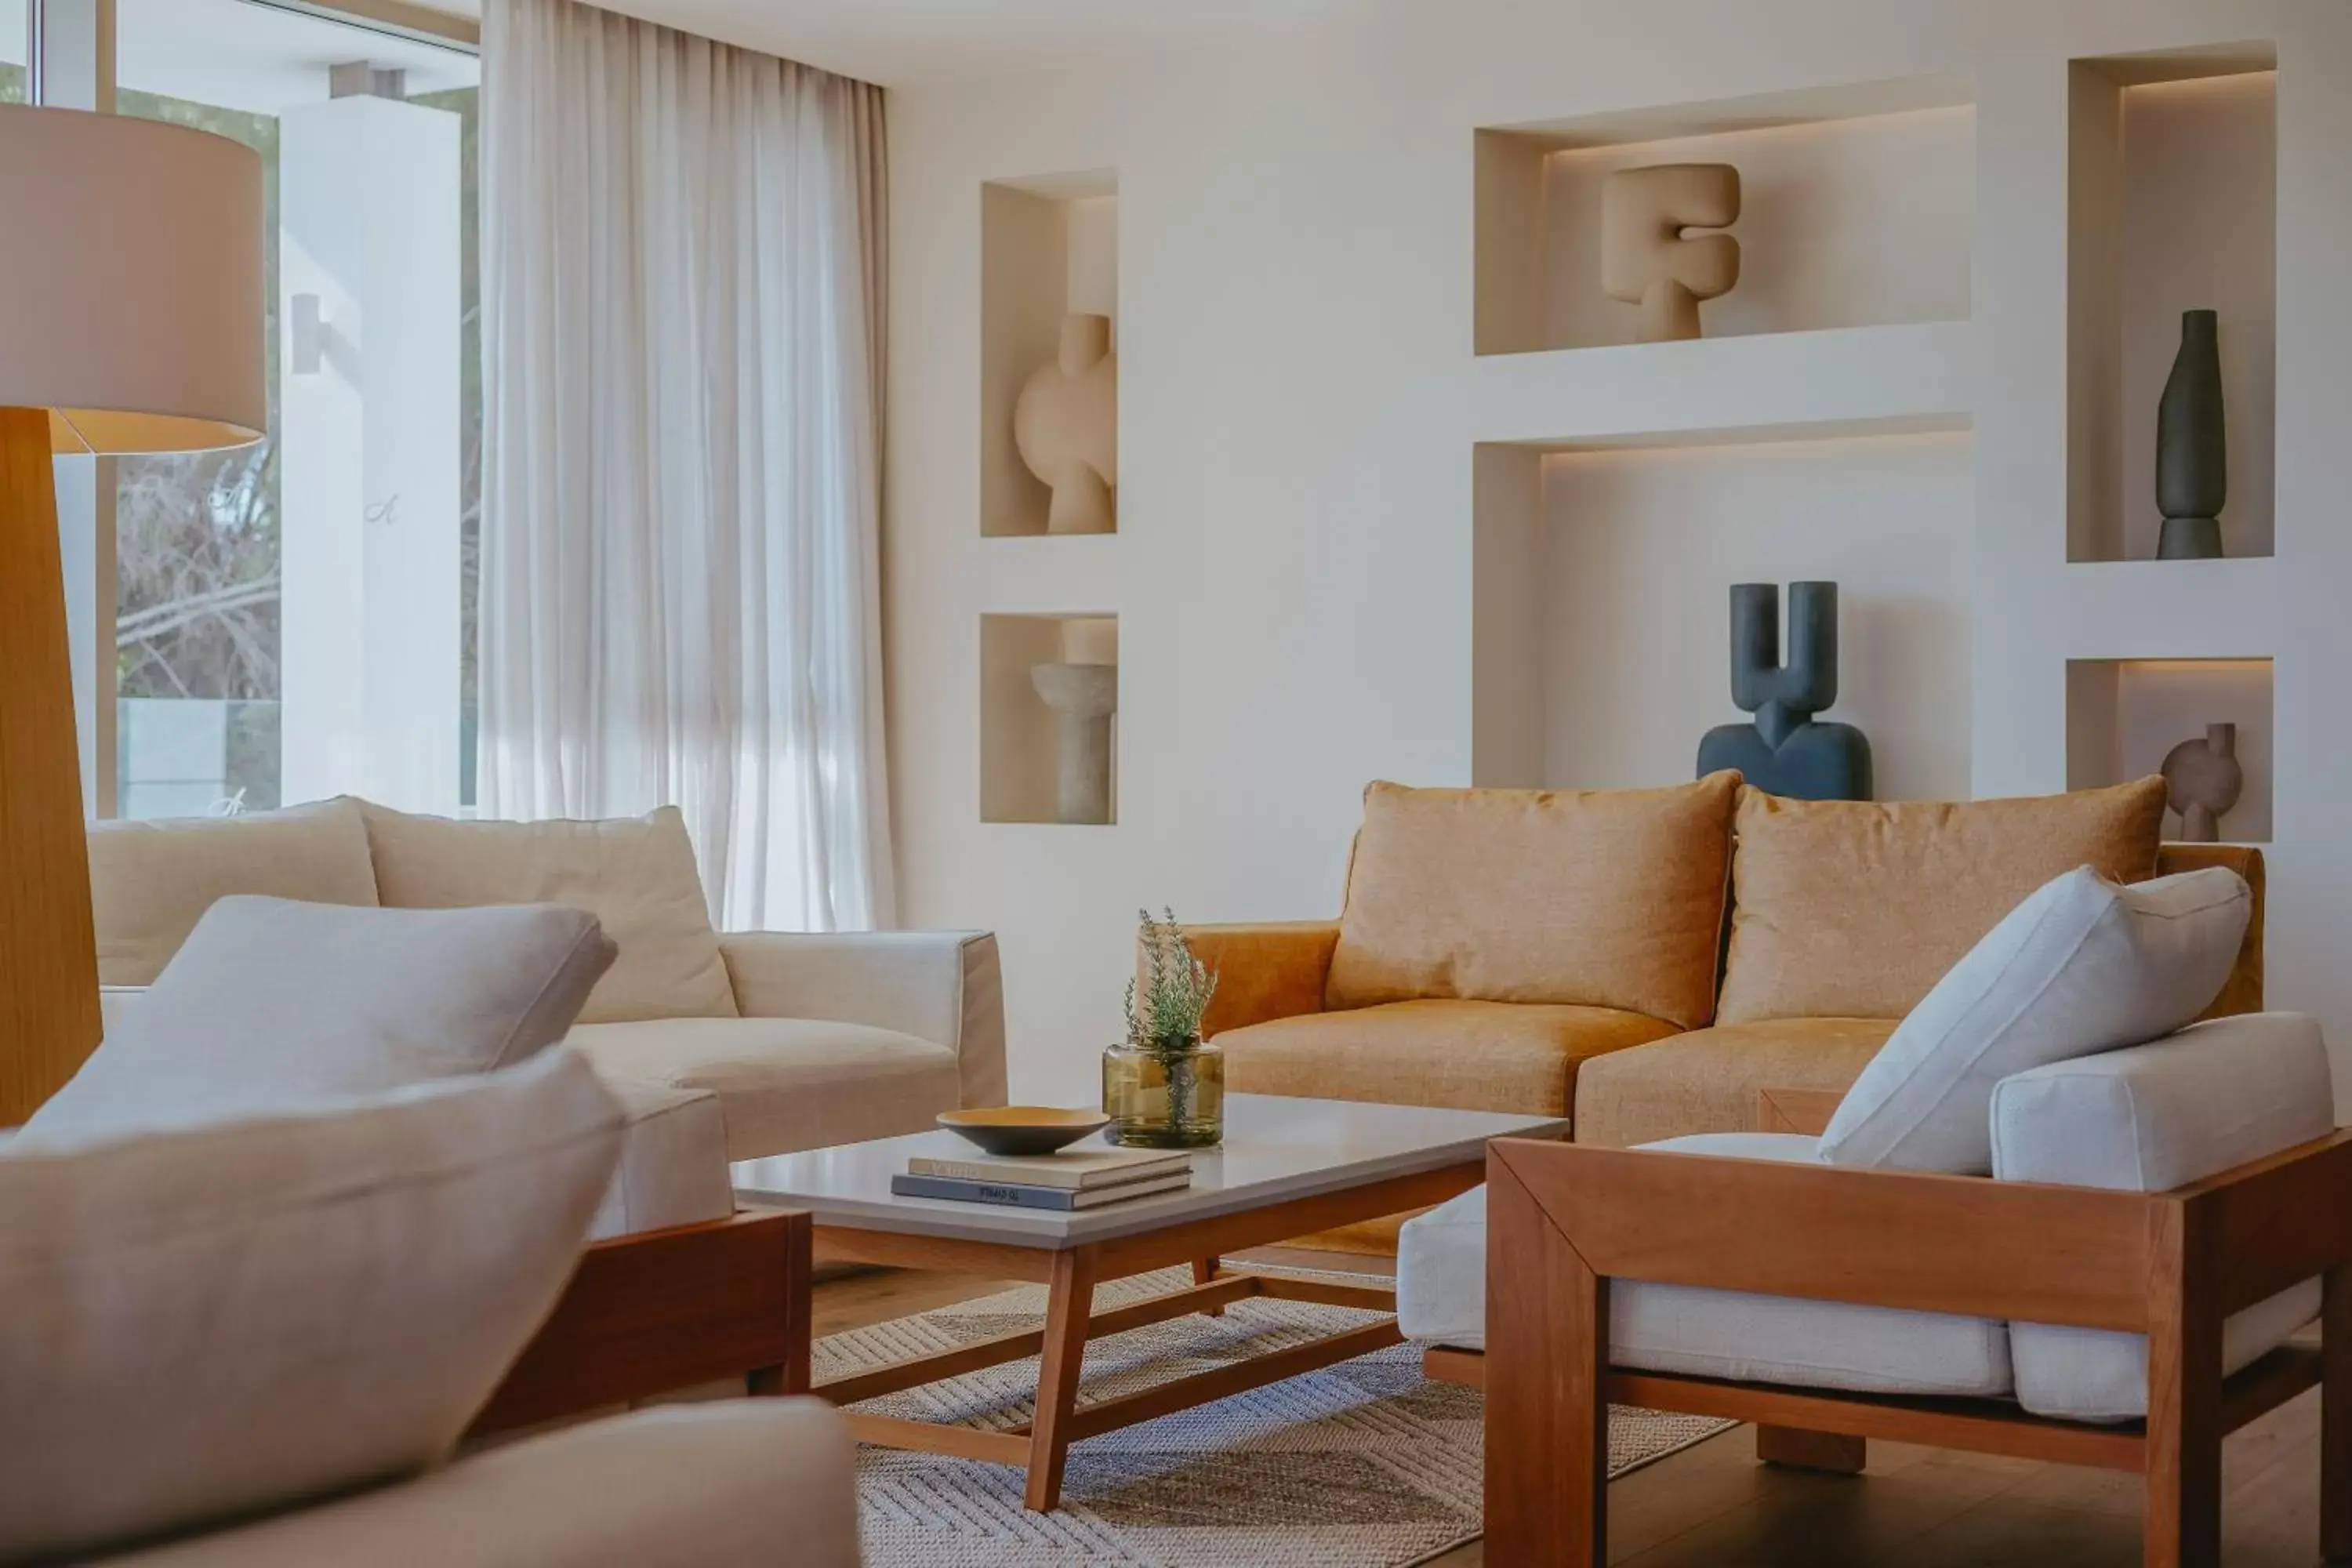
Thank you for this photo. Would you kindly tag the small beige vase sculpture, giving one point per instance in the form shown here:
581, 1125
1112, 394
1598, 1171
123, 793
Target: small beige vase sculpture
1645, 256
1066, 426
2202, 780
1083, 697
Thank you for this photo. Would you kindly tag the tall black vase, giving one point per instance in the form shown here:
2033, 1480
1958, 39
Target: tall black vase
2192, 467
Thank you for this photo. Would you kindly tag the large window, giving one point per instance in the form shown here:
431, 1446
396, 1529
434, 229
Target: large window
294, 618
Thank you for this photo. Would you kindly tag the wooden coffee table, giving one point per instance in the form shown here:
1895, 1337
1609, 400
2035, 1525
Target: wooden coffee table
1288, 1168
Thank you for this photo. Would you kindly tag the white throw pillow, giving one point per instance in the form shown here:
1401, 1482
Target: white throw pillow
216, 1322
636, 874
2084, 965
271, 1005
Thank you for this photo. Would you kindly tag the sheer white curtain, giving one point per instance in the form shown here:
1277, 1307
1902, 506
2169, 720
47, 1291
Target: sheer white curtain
680, 578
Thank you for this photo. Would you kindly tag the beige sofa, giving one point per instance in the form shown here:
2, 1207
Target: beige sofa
720, 1046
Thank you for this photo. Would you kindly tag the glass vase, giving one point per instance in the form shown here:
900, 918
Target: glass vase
1169, 1094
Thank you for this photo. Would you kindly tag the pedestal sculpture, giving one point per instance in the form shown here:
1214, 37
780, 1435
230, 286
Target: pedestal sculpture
1645, 256
1066, 427
1083, 697
2202, 780
1785, 751
2192, 468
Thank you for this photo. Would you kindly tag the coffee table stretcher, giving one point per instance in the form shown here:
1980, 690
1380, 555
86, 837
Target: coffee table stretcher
1070, 1275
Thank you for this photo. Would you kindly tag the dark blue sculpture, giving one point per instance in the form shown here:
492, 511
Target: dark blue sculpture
1784, 752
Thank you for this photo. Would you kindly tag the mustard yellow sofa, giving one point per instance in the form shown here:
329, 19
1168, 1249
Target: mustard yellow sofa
1646, 961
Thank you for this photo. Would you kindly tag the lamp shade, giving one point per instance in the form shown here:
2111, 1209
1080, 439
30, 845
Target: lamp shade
131, 281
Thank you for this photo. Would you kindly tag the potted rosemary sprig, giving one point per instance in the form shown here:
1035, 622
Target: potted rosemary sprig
1164, 1086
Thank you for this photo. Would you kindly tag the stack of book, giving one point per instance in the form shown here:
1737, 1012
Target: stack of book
1078, 1179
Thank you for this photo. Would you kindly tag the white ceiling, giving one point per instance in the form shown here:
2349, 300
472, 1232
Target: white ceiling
902, 42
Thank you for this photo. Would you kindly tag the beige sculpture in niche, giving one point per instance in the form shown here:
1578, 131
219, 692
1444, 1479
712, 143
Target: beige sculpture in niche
1066, 427
1645, 256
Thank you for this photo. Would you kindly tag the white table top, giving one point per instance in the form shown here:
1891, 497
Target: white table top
1275, 1150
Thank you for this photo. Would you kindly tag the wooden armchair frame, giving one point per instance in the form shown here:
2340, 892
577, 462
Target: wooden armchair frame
1564, 1219
651, 1313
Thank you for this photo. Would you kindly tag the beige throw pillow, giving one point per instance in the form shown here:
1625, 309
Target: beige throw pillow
636, 875
272, 1005
207, 1324
1590, 897
1855, 908
150, 882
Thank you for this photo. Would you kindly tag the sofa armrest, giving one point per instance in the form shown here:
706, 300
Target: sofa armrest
2242, 992
943, 986
719, 1486
1266, 969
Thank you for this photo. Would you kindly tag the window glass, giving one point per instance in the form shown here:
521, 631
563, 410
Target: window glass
210, 718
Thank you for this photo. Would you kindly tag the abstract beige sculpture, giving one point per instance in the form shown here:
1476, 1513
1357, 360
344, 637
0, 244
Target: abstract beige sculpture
1066, 427
1645, 256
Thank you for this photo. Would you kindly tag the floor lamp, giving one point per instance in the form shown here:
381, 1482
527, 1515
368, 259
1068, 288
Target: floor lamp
130, 320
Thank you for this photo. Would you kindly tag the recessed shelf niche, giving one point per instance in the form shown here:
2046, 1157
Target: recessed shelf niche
1027, 741
1600, 579
1049, 249
1857, 209
2124, 715
2172, 205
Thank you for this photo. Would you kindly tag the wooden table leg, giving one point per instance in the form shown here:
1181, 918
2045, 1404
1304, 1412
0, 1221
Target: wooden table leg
1204, 1270
1068, 1305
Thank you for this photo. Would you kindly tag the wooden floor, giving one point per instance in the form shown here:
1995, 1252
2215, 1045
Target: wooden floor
1713, 1506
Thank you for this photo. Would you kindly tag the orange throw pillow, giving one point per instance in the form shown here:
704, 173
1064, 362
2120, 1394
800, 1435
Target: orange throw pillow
1592, 898
1855, 908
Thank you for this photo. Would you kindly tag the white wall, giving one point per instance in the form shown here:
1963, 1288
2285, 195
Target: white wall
1300, 405
1641, 548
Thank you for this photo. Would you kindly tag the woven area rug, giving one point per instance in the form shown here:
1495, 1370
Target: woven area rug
1362, 1465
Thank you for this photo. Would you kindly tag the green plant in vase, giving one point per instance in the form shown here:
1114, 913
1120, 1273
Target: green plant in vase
1164, 1085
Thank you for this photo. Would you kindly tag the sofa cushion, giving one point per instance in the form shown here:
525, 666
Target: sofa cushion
212, 1323
785, 1084
1855, 908
271, 1005
150, 882
2150, 1119
636, 875
1588, 898
1707, 1080
1465, 1055
2084, 965
1442, 1298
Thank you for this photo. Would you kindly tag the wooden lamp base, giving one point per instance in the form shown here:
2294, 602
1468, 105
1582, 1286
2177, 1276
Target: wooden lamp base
48, 953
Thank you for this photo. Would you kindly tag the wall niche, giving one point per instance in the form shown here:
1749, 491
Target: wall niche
2124, 715
1049, 718
1856, 209
1049, 303
2172, 205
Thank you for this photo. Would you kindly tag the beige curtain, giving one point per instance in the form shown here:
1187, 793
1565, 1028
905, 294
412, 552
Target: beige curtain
682, 295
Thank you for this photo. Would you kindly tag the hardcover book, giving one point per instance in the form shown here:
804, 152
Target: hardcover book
1076, 1170
1013, 1195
